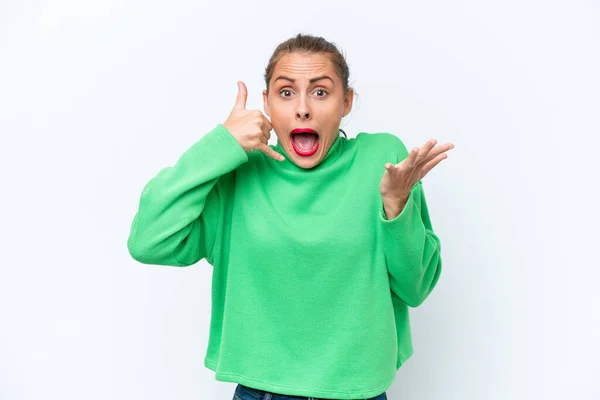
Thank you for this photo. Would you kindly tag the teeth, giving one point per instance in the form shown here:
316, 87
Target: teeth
299, 133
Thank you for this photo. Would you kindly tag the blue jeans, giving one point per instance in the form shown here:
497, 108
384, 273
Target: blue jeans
246, 393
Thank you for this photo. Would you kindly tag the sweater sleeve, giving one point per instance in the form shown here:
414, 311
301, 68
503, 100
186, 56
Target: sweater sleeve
412, 249
180, 209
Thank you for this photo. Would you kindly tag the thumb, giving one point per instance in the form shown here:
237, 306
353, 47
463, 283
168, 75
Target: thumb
240, 101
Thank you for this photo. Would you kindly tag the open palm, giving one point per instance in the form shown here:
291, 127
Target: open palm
398, 179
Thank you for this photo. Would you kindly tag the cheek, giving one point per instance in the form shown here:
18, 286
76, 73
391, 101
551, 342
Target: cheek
332, 110
278, 121
278, 112
281, 117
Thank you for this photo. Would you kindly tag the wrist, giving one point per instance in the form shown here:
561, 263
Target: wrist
393, 206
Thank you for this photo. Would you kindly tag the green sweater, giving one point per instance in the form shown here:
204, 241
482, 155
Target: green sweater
311, 284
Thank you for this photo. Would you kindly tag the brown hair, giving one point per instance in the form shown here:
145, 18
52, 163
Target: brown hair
310, 44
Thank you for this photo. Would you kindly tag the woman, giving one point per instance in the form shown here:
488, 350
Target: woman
319, 244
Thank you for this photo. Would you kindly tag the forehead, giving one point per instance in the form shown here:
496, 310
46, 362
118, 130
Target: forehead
304, 66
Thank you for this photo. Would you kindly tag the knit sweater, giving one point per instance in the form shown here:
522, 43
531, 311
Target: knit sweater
311, 283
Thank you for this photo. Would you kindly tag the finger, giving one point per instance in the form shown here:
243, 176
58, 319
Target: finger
424, 151
439, 150
266, 127
391, 168
264, 138
240, 101
429, 166
412, 157
268, 123
266, 135
270, 152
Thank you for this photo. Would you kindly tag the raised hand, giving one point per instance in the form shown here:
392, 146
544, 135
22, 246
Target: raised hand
398, 179
250, 128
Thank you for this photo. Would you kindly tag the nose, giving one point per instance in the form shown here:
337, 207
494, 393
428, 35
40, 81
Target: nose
302, 115
302, 111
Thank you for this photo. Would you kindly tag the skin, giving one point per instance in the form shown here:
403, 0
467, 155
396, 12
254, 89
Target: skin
320, 105
398, 179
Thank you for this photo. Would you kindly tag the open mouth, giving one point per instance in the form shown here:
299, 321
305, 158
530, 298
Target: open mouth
305, 142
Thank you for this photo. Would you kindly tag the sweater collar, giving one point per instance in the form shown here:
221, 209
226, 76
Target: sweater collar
337, 147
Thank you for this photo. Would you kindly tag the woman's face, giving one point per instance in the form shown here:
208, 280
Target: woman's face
305, 92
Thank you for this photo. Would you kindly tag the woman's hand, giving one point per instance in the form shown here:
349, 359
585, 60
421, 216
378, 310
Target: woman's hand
398, 180
250, 128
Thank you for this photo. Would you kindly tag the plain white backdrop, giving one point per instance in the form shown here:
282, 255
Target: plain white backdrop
97, 96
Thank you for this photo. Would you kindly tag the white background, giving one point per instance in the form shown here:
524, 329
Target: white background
97, 96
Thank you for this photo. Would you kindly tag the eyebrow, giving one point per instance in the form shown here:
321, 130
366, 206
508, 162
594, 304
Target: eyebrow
313, 80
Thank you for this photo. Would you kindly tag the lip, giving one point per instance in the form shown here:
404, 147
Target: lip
305, 153
304, 130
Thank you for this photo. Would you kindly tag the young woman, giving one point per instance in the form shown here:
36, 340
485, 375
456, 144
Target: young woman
319, 244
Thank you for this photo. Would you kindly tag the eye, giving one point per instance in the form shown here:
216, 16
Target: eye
325, 92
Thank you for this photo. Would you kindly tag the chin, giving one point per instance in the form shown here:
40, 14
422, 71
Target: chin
306, 163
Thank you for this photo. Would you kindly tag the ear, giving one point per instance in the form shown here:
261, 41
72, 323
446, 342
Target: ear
266, 103
348, 99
